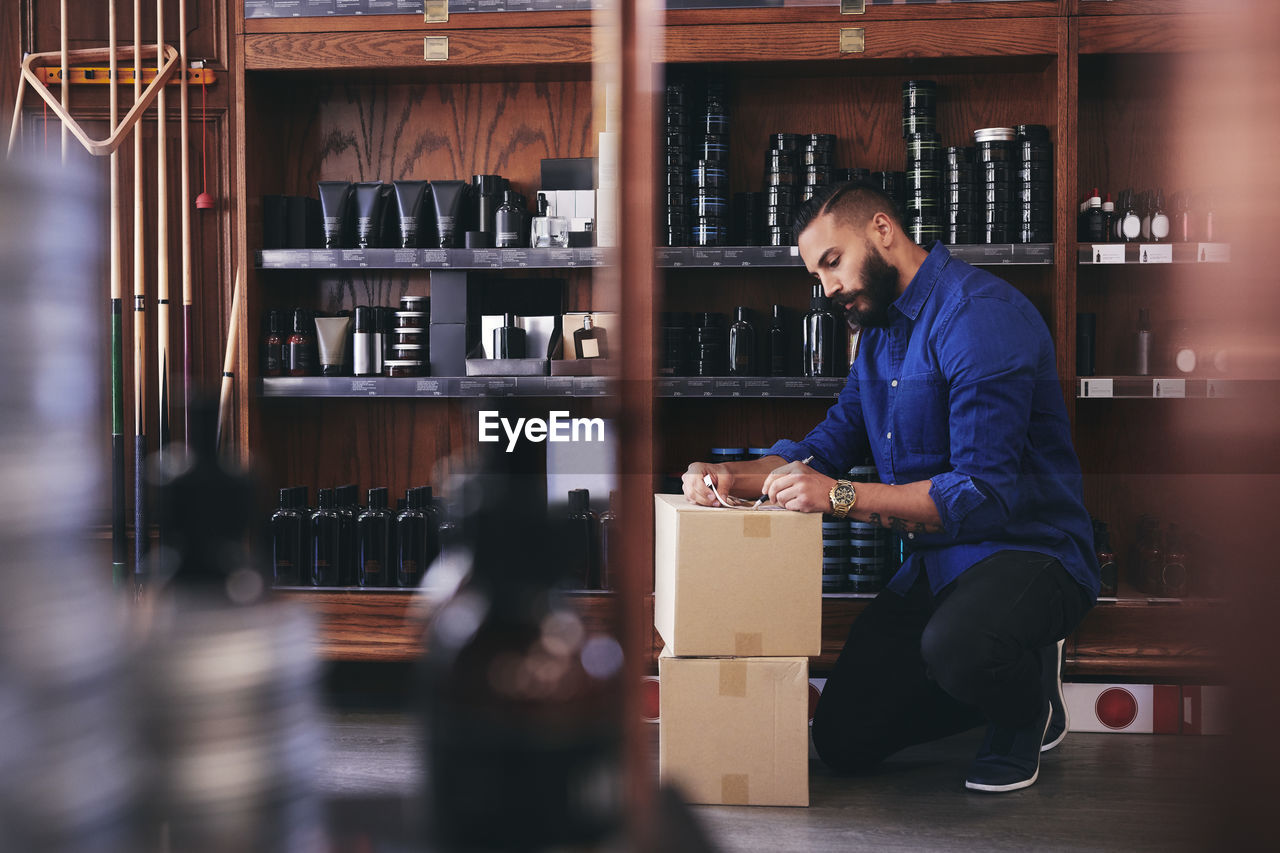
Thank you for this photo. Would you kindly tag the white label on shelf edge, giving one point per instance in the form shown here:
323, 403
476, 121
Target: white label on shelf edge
1213, 253
1155, 253
1169, 387
1097, 387
1108, 253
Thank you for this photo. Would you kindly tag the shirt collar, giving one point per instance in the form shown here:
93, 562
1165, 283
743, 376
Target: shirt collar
912, 299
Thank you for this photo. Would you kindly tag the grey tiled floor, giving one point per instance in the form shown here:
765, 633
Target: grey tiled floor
1096, 792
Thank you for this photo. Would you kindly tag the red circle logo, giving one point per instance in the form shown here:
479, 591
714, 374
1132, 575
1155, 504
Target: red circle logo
1116, 708
649, 699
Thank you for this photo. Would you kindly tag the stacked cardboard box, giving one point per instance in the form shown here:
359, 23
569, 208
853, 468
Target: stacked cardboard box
738, 603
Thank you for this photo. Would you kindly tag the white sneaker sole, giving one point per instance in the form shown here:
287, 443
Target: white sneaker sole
1012, 786
1062, 700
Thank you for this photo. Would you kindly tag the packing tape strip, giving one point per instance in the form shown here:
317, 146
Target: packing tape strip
757, 526
733, 678
748, 645
735, 789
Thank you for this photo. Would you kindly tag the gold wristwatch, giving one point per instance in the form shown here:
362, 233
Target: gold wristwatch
843, 497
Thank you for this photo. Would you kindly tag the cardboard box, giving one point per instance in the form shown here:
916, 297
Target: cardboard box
737, 582
735, 731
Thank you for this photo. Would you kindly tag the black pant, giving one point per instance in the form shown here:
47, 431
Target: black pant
921, 667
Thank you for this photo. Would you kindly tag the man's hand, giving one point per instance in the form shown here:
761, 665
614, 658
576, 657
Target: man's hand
696, 490
797, 487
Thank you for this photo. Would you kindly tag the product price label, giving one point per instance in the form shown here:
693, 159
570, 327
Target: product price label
1108, 253
1213, 253
1169, 387
1155, 253
1097, 387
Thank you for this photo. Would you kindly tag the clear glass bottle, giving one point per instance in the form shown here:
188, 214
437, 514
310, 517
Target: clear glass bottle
373, 531
819, 336
742, 345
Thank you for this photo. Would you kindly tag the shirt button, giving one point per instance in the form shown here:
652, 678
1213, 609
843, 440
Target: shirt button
893, 384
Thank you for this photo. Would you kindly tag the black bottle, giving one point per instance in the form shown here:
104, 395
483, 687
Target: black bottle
286, 541
778, 343
742, 346
609, 544
373, 532
508, 223
819, 336
508, 339
516, 725
301, 506
583, 542
345, 501
326, 541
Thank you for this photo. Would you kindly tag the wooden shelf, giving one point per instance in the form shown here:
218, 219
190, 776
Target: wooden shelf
354, 624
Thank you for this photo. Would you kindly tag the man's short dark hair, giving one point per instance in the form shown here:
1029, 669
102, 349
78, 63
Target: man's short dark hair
853, 202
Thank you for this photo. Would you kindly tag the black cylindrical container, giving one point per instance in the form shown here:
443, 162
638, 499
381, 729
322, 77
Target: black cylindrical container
1086, 336
784, 141
708, 175
709, 203
919, 96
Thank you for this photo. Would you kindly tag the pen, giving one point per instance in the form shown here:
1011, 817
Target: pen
763, 498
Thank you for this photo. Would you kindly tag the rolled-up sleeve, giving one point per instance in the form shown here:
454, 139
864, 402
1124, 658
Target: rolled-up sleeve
836, 443
987, 351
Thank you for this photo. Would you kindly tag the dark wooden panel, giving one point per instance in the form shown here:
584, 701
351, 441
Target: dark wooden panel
1153, 33
802, 41
207, 26
303, 51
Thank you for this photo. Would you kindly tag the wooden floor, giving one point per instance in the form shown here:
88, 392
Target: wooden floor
1096, 792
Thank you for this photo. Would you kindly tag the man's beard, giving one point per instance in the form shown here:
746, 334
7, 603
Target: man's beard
879, 290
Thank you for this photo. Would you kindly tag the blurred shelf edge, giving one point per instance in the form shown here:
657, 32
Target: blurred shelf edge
387, 624
1096, 254
1167, 387
445, 387
691, 257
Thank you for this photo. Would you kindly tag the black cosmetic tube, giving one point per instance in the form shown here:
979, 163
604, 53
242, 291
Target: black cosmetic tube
447, 196
369, 200
409, 201
333, 209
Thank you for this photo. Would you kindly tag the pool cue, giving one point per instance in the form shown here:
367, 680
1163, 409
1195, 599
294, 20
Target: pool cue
139, 328
185, 195
162, 261
229, 361
66, 78
118, 536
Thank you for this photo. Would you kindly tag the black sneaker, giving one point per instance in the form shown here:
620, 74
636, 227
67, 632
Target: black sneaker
1009, 758
1059, 722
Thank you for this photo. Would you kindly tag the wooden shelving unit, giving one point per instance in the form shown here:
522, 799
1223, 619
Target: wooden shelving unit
353, 99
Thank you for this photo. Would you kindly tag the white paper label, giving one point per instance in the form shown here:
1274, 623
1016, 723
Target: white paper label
1213, 253
1108, 253
1169, 387
1097, 387
1155, 253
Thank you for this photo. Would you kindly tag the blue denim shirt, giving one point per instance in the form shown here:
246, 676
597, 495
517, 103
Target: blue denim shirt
961, 389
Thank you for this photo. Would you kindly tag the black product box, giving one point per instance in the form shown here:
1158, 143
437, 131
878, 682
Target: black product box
452, 301
569, 173
305, 225
448, 349
275, 221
